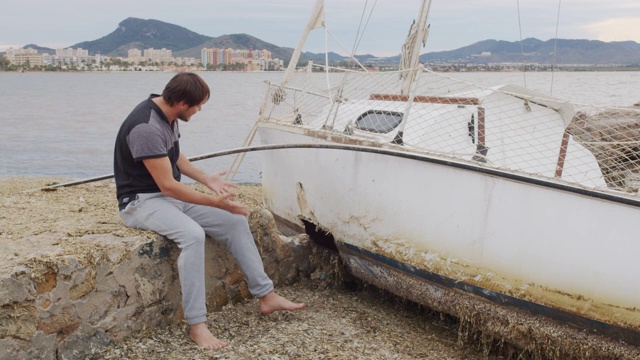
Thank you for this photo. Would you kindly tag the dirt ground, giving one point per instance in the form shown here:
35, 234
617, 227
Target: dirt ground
337, 323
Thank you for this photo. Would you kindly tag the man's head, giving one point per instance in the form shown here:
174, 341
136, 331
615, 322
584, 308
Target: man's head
186, 87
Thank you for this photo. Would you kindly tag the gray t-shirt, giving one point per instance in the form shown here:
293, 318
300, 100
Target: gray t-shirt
144, 134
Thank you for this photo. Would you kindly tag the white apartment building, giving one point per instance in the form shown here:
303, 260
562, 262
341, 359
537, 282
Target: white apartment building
254, 59
29, 59
162, 55
11, 53
134, 54
70, 56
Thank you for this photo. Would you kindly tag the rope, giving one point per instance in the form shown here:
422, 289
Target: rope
555, 47
524, 69
358, 40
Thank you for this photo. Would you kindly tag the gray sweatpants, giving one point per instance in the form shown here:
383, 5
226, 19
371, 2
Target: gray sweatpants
186, 224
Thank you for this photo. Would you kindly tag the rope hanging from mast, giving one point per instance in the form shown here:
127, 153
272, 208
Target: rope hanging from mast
524, 68
362, 29
555, 48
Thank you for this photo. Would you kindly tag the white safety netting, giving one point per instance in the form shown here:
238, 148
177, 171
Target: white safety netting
507, 128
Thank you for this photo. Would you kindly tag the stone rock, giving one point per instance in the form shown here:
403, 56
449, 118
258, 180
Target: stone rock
82, 344
91, 290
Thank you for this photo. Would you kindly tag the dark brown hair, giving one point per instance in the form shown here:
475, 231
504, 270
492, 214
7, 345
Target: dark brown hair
187, 87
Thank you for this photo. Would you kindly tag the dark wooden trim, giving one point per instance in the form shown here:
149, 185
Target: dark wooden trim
481, 129
427, 99
562, 155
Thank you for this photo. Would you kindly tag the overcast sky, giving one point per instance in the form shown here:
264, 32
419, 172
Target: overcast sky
454, 23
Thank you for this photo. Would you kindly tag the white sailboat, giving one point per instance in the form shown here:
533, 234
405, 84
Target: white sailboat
479, 202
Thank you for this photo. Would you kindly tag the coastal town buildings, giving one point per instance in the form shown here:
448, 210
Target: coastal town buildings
162, 57
30, 58
251, 59
144, 60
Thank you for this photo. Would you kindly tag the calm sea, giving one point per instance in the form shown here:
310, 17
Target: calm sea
64, 124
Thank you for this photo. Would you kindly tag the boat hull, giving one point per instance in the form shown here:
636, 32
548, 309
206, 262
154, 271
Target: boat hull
542, 244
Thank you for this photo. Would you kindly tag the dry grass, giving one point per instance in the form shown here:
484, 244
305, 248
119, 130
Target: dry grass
337, 324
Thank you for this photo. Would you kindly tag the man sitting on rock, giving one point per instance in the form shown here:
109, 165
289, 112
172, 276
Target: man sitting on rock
148, 165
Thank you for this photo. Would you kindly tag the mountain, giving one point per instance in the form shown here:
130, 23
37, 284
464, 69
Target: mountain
333, 57
536, 51
143, 34
584, 52
40, 49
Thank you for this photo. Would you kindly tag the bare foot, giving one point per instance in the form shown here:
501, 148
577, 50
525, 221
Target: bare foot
274, 302
201, 335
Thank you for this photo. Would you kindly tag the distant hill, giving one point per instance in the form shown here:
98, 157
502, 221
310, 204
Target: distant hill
40, 49
333, 57
144, 34
542, 52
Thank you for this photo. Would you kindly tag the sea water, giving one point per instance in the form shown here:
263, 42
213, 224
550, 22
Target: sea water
64, 124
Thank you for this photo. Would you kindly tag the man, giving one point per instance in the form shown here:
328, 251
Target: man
148, 165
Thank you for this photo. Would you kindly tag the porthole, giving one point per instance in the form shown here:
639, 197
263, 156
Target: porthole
378, 121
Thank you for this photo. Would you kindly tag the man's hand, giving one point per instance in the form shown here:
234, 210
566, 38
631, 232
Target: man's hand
224, 189
216, 183
160, 169
233, 207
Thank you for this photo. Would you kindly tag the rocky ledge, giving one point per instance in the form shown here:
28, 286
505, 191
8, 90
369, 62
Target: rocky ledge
73, 279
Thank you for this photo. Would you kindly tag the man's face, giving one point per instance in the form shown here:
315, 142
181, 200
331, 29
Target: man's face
187, 111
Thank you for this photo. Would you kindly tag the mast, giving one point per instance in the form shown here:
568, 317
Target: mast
316, 21
411, 47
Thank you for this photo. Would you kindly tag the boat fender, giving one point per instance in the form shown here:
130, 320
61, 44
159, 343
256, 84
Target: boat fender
278, 95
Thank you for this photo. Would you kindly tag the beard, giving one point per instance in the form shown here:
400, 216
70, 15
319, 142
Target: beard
184, 117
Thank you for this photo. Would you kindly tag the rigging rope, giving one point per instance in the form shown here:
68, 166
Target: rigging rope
358, 40
555, 47
524, 68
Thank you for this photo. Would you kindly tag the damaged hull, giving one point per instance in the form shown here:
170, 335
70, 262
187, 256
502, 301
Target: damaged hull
508, 208
418, 224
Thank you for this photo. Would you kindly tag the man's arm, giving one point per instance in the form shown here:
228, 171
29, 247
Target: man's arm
214, 181
160, 170
188, 169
